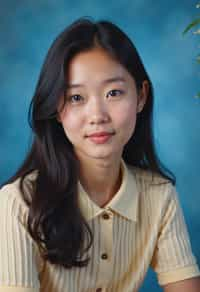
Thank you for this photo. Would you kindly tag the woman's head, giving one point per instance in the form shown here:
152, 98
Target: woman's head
83, 36
99, 108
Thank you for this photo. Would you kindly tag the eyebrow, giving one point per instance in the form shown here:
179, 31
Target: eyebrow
106, 81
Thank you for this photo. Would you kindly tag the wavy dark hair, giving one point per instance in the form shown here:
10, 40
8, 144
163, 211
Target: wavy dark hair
53, 198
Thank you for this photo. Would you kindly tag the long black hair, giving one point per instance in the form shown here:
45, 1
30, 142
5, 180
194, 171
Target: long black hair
55, 220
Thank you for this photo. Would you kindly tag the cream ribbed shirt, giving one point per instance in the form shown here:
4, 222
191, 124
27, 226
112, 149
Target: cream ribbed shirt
141, 226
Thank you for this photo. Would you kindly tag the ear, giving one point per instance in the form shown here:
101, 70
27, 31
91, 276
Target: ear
142, 97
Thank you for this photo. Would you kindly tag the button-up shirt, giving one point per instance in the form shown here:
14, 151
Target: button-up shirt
141, 226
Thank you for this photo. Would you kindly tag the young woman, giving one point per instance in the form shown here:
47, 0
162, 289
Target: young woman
91, 208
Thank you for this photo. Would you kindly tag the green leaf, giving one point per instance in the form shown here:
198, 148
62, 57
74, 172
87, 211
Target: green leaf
198, 95
198, 59
191, 25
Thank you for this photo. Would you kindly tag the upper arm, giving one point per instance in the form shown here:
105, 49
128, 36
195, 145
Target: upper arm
173, 260
18, 253
192, 285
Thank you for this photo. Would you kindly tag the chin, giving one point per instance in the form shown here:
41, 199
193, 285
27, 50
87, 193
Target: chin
104, 154
100, 156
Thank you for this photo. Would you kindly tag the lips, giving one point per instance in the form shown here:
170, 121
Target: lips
100, 134
100, 137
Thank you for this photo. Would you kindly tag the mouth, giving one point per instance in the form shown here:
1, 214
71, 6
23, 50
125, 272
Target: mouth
100, 137
100, 134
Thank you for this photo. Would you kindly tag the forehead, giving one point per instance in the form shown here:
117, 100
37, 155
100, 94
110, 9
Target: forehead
95, 66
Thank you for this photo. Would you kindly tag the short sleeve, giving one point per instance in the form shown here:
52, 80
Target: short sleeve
19, 257
173, 259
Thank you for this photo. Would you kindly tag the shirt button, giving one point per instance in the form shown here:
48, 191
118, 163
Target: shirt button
104, 256
98, 290
105, 216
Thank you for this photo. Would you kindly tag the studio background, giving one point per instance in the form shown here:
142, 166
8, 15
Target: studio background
27, 29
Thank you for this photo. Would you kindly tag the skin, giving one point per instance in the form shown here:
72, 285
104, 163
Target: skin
94, 107
189, 285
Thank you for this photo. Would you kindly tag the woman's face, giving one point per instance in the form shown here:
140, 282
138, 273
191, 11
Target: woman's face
100, 109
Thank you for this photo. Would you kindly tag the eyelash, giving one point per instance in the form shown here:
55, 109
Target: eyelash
116, 90
120, 92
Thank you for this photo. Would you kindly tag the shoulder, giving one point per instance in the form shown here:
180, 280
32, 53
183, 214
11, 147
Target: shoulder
11, 198
148, 178
154, 190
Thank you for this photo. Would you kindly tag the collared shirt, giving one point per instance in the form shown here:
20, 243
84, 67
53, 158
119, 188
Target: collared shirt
142, 226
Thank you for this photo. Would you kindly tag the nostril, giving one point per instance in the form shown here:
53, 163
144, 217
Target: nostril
98, 119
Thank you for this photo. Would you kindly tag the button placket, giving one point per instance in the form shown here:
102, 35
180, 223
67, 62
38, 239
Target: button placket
106, 252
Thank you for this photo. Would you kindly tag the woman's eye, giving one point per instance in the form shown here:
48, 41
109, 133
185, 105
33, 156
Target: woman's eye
115, 92
74, 98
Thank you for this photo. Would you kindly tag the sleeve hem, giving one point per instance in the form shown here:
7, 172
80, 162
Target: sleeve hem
17, 289
178, 275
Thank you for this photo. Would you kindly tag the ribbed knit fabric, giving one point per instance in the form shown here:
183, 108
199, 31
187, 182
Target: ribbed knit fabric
141, 226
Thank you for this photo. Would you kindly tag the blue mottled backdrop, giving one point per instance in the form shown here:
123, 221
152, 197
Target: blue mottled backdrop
27, 29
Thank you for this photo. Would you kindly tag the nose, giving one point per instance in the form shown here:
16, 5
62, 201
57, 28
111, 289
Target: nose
98, 112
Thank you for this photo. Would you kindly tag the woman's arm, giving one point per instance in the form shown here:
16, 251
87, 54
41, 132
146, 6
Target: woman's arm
173, 259
189, 285
19, 256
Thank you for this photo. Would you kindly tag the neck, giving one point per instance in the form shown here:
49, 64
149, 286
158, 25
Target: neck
101, 179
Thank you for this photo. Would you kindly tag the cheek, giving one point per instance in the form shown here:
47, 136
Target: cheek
126, 116
70, 123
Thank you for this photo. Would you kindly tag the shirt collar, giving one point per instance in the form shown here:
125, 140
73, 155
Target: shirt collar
125, 201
